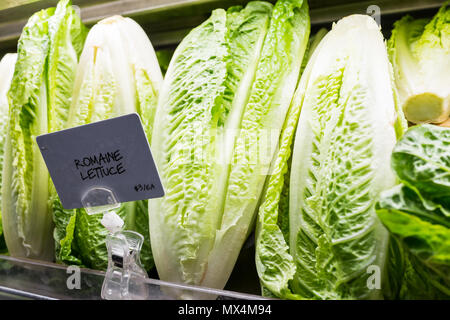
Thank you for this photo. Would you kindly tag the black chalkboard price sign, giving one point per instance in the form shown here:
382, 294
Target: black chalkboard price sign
112, 154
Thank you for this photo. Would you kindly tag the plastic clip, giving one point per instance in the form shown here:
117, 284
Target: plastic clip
125, 276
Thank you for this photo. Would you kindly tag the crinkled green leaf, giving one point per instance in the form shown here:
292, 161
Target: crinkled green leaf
275, 264
64, 26
416, 213
65, 254
422, 161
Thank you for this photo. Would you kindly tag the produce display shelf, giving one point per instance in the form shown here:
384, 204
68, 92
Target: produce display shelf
27, 279
168, 21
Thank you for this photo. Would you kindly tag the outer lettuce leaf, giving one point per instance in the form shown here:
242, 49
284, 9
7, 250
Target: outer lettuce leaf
189, 105
64, 232
7, 64
64, 26
26, 222
205, 90
275, 264
340, 164
416, 47
118, 74
39, 97
417, 215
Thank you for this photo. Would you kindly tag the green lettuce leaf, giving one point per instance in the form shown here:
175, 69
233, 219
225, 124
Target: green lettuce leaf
421, 239
62, 63
421, 161
416, 213
39, 97
274, 263
64, 26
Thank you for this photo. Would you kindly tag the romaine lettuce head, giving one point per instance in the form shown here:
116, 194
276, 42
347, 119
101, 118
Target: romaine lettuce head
6, 72
321, 243
419, 50
204, 93
118, 73
39, 97
229, 82
417, 215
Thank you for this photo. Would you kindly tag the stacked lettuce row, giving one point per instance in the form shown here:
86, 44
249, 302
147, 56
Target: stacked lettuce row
326, 228
65, 77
